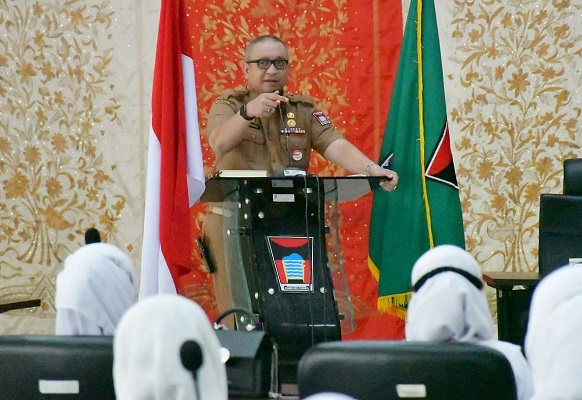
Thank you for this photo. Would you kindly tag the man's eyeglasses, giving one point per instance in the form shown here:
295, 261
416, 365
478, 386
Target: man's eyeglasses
264, 63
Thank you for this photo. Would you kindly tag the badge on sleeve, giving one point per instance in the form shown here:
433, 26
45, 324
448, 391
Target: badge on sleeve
321, 117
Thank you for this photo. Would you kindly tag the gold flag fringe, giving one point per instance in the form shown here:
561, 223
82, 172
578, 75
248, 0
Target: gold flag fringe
394, 304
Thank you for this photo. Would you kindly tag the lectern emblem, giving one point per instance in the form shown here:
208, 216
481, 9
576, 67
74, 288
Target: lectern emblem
291, 257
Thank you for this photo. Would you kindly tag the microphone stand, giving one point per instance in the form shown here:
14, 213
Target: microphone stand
191, 357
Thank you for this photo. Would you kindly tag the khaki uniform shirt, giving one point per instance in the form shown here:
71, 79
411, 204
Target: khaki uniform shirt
283, 140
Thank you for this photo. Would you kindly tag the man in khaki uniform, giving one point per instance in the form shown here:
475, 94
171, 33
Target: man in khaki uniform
262, 128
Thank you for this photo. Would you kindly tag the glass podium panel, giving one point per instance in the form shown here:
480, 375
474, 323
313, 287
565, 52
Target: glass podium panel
234, 240
277, 235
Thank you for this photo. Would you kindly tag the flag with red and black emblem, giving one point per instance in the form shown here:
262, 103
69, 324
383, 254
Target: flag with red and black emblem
425, 211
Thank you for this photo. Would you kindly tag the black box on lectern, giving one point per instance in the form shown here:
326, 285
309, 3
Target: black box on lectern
275, 245
250, 365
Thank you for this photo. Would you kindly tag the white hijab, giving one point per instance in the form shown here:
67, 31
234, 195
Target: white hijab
147, 364
94, 289
553, 343
449, 308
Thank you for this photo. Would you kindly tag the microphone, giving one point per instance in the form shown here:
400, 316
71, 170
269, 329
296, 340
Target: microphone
191, 357
92, 236
286, 130
284, 127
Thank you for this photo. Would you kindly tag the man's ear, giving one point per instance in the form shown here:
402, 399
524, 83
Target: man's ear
245, 68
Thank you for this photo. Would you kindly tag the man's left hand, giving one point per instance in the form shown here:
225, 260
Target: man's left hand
390, 183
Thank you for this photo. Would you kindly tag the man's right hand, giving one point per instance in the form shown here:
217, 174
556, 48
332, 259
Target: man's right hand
265, 104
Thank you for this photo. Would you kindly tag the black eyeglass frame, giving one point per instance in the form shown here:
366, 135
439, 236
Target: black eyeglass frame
271, 62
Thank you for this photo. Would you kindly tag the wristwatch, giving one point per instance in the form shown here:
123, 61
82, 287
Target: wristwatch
243, 113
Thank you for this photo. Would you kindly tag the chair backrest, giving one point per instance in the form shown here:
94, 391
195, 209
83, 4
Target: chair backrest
56, 367
386, 370
560, 231
573, 176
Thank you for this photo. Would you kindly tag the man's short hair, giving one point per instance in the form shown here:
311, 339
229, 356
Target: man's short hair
259, 39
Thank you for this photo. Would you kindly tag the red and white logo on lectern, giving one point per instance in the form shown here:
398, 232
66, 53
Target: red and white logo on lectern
291, 256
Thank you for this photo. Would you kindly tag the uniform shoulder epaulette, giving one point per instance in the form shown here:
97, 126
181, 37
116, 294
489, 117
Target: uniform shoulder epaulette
222, 100
228, 95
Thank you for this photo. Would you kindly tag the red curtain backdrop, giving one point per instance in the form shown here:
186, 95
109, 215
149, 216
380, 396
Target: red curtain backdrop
345, 54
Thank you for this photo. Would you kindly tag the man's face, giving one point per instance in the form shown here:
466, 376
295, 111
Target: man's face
271, 79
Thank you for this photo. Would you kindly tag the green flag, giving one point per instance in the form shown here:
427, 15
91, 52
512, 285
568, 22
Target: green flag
425, 211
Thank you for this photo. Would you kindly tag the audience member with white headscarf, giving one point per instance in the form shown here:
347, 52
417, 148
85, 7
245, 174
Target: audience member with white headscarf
448, 305
94, 289
146, 349
553, 344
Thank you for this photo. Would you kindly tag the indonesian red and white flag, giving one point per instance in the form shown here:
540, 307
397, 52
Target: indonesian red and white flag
175, 172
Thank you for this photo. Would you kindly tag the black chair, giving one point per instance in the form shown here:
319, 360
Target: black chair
56, 367
386, 370
560, 231
560, 223
573, 177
